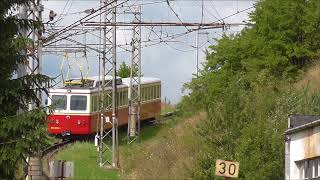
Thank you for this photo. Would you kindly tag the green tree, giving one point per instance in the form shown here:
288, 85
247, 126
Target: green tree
246, 88
24, 133
125, 70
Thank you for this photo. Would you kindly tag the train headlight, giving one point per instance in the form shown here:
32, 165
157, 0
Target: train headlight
57, 121
79, 122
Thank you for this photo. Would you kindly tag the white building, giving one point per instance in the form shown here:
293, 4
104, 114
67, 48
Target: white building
302, 148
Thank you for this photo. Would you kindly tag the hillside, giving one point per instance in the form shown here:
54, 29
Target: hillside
169, 154
311, 78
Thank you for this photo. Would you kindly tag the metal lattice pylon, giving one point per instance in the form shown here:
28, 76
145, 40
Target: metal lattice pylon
108, 96
33, 63
135, 79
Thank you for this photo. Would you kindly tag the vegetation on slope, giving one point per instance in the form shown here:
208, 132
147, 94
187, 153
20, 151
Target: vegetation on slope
22, 134
167, 150
247, 89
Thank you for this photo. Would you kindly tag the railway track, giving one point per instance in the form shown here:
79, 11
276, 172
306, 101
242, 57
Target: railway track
38, 166
52, 150
41, 164
55, 147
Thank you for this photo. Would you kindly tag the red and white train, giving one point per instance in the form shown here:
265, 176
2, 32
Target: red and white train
76, 106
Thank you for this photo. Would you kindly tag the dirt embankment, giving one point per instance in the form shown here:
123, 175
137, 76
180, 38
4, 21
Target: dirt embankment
168, 155
311, 78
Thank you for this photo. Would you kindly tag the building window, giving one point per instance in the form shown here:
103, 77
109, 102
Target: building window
309, 168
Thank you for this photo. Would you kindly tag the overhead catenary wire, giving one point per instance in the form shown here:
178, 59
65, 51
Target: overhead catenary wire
161, 37
170, 7
166, 38
77, 23
62, 16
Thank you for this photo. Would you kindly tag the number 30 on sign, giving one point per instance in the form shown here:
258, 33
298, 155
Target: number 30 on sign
227, 168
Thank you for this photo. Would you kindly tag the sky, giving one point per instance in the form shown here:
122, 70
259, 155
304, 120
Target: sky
173, 62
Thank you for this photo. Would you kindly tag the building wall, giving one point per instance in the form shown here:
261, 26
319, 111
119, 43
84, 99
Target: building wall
303, 145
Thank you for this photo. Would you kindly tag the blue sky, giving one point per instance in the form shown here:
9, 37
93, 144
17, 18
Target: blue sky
173, 62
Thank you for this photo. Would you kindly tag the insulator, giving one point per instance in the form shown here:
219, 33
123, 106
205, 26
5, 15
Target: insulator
52, 14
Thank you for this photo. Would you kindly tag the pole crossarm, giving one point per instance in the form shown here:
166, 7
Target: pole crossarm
216, 25
110, 4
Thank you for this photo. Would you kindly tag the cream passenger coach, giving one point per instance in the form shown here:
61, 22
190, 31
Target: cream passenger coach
77, 104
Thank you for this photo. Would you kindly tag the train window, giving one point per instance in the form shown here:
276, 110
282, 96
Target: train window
149, 93
159, 90
144, 94
119, 98
78, 102
126, 97
94, 103
59, 102
123, 98
98, 102
152, 92
156, 91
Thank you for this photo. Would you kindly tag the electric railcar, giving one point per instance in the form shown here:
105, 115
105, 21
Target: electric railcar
76, 105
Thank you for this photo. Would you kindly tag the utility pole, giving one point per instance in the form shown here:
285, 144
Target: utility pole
108, 97
135, 80
197, 50
33, 63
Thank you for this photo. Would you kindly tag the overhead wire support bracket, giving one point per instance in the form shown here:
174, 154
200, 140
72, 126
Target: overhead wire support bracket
213, 25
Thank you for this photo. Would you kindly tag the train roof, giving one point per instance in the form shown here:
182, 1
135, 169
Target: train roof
144, 80
90, 89
96, 78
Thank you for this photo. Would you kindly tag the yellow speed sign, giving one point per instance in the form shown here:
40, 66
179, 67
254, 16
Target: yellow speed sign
227, 168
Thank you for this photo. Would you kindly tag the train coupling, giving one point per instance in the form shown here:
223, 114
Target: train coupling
66, 133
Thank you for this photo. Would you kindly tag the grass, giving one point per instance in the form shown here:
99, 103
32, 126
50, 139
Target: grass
167, 108
166, 150
84, 156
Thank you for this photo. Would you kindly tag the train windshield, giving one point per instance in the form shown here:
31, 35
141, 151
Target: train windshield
78, 103
59, 102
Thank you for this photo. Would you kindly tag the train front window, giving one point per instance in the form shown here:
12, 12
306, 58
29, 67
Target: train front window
78, 103
59, 102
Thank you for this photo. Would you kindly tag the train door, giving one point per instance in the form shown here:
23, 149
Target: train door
79, 122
